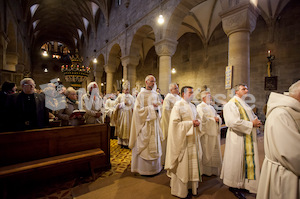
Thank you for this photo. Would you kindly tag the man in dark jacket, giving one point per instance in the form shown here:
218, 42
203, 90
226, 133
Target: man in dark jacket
26, 110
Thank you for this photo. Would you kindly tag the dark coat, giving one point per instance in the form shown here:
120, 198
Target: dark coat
16, 111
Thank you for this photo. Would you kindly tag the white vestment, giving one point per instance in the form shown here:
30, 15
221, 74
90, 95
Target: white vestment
183, 157
123, 116
233, 171
168, 104
281, 167
145, 134
210, 141
92, 104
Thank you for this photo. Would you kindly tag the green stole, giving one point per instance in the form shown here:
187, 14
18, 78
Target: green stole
248, 144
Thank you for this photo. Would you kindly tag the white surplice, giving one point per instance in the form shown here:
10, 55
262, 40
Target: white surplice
123, 116
233, 171
183, 157
145, 135
281, 167
168, 104
210, 141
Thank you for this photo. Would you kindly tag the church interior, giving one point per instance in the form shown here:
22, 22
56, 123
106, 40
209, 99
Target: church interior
207, 44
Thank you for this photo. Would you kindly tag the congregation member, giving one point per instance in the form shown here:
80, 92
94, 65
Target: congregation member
92, 103
210, 141
67, 116
123, 115
281, 167
240, 169
183, 158
8, 88
26, 110
168, 104
145, 134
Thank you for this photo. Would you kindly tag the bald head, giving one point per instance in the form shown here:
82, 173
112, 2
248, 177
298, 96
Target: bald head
150, 81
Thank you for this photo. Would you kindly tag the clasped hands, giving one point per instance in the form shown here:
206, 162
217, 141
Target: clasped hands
196, 123
256, 123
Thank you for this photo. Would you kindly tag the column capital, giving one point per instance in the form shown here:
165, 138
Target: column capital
165, 47
130, 60
109, 68
241, 17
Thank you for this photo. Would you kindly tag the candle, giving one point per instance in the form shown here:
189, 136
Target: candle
269, 53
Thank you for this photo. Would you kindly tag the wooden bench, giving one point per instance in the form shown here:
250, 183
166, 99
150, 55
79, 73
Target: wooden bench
43, 153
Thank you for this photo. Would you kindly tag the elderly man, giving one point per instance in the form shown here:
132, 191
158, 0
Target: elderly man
146, 135
183, 157
210, 141
281, 167
26, 110
240, 168
92, 103
168, 104
123, 115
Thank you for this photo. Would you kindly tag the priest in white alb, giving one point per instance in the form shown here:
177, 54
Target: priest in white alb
240, 169
210, 141
168, 104
146, 135
281, 167
123, 115
183, 157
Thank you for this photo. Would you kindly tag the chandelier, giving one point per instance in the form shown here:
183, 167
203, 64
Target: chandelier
75, 73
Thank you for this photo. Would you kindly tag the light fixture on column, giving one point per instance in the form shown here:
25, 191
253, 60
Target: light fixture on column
46, 70
95, 61
45, 54
269, 64
173, 71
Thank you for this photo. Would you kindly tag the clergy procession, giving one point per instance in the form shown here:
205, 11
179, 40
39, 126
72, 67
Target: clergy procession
183, 136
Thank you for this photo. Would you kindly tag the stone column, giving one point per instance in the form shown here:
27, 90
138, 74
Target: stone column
238, 23
109, 78
11, 61
165, 49
129, 69
3, 46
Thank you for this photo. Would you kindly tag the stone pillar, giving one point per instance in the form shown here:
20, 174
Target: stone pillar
165, 49
129, 69
109, 78
238, 23
11, 61
3, 47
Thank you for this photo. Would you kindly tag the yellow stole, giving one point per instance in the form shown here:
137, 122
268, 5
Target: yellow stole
248, 144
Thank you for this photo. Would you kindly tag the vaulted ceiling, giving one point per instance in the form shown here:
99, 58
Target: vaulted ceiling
63, 20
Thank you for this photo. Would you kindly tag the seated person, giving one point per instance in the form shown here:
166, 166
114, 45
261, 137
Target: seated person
66, 115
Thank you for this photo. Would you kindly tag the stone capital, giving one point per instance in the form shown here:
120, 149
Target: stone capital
240, 18
109, 68
130, 60
165, 47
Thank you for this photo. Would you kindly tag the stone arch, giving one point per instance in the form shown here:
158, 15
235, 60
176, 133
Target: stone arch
180, 11
114, 57
142, 42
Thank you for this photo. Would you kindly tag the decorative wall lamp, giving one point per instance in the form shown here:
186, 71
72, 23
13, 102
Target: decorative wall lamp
270, 59
270, 81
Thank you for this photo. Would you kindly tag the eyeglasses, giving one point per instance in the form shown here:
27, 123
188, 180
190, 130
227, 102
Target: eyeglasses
31, 85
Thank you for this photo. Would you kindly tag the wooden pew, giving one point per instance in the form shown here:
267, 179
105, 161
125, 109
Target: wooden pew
45, 152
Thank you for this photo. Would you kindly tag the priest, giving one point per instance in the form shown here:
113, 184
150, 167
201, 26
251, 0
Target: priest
240, 168
184, 153
123, 115
145, 134
210, 141
281, 167
168, 104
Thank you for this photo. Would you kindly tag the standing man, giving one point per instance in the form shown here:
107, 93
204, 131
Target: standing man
123, 115
26, 110
92, 103
281, 167
183, 158
241, 163
168, 104
210, 141
146, 135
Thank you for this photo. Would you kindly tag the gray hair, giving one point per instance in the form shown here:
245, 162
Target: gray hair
171, 86
237, 87
203, 94
148, 77
294, 89
69, 90
25, 80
